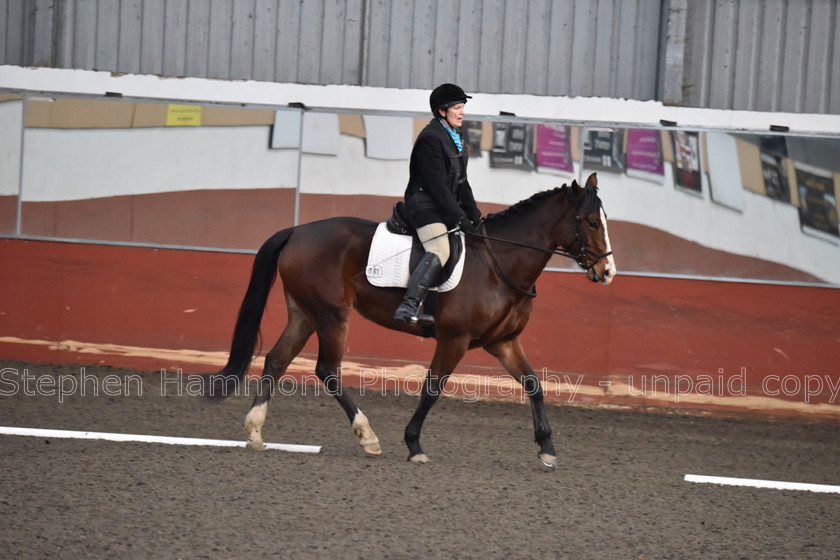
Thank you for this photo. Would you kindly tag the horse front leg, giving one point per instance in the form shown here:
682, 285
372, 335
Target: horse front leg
432, 388
447, 355
512, 357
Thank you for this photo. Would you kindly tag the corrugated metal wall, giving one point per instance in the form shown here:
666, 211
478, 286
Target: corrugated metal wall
766, 55
606, 48
776, 55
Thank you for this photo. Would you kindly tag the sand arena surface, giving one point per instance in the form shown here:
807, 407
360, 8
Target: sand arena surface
618, 492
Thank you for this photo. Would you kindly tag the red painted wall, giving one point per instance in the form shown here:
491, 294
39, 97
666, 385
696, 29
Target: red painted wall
637, 330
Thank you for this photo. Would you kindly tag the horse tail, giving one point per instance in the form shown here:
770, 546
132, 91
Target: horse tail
247, 331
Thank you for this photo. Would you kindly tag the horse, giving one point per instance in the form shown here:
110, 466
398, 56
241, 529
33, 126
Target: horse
322, 266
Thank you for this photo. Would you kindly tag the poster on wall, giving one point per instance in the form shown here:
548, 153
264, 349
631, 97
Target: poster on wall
773, 153
471, 136
644, 155
817, 202
513, 146
603, 149
775, 173
554, 151
687, 161
725, 186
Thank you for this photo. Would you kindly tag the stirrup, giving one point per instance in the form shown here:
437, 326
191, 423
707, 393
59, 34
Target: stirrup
422, 319
409, 314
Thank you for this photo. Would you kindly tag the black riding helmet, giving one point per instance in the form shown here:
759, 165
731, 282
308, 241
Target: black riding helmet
445, 96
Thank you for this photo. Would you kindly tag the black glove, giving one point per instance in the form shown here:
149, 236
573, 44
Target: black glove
468, 226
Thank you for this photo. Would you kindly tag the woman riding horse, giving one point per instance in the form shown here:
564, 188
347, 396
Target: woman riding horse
438, 196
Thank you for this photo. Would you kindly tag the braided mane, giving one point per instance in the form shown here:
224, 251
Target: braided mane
525, 204
587, 200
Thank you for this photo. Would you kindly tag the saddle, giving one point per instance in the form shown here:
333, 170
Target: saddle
396, 250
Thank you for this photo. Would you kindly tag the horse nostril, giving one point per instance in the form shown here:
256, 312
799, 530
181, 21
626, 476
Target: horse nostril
606, 273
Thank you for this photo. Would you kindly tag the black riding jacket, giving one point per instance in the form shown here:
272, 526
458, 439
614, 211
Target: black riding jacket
438, 190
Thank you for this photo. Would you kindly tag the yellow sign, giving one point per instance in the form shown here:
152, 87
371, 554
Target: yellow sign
183, 115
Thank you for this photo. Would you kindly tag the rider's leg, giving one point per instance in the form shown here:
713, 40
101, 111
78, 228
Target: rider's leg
435, 239
436, 243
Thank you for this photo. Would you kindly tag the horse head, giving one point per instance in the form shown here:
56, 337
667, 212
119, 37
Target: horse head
592, 241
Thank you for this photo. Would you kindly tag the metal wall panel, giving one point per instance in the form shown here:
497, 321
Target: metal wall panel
544, 47
769, 55
14, 24
152, 37
765, 55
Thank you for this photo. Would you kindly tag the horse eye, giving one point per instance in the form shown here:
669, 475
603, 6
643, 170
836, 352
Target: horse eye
593, 225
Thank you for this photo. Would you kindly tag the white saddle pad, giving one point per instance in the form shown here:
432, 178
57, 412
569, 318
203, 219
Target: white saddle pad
387, 265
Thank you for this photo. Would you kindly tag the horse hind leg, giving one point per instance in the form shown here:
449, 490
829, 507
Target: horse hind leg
298, 330
331, 338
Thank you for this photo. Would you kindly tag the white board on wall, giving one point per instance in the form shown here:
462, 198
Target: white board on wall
286, 130
388, 137
724, 170
321, 134
11, 119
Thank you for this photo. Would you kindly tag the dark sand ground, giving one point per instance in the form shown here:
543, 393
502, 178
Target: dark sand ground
618, 493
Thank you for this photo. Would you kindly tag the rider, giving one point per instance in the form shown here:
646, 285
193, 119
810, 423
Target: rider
438, 196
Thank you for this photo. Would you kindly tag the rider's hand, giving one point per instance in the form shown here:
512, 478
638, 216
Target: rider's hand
468, 226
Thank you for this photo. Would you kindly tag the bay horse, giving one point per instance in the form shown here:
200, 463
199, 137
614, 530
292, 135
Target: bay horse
322, 266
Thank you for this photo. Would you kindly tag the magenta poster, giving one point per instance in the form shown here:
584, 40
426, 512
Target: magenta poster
644, 151
554, 152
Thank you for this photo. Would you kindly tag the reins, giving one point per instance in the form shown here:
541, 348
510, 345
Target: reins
584, 251
533, 292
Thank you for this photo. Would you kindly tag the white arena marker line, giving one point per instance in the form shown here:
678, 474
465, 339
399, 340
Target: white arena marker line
37, 432
776, 485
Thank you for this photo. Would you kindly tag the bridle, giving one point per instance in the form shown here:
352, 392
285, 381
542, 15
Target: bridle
584, 257
585, 251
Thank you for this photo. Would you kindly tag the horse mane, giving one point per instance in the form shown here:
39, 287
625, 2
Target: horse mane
587, 200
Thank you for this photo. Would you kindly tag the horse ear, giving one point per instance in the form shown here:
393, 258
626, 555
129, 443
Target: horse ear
576, 187
592, 181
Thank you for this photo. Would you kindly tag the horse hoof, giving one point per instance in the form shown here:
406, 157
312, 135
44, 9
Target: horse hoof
419, 458
255, 445
548, 461
372, 448
367, 439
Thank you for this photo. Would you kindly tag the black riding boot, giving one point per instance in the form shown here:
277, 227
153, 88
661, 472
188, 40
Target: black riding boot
418, 286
